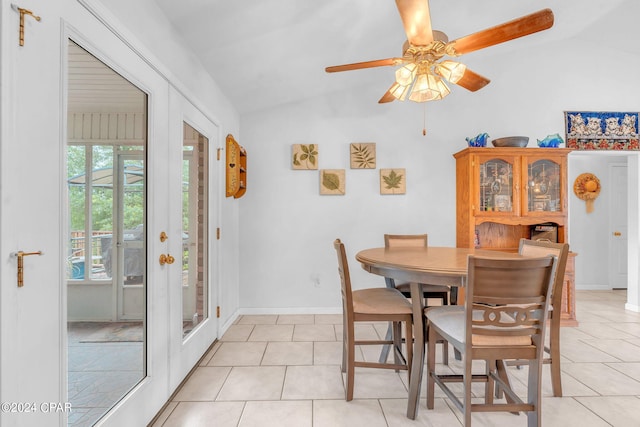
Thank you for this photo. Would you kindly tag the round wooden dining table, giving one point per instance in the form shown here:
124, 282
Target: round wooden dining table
416, 265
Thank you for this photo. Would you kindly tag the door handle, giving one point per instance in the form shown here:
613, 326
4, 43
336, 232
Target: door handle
166, 259
20, 255
617, 233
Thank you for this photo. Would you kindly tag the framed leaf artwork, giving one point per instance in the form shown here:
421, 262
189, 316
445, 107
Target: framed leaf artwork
363, 155
332, 181
304, 156
393, 181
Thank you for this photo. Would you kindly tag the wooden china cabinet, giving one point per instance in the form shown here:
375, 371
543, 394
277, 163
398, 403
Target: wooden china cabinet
502, 194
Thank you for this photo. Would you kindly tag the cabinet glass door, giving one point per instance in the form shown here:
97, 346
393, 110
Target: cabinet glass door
496, 186
543, 186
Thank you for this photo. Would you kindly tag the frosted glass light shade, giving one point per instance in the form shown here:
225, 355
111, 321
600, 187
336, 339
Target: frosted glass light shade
428, 88
451, 70
406, 74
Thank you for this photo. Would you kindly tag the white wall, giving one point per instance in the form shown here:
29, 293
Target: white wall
287, 228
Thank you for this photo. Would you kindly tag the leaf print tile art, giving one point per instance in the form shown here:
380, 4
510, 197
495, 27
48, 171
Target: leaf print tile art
393, 181
304, 156
332, 181
363, 155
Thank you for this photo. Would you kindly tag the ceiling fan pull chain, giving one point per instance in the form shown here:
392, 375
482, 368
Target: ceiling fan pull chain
424, 120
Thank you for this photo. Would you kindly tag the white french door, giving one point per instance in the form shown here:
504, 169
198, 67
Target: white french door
34, 217
139, 282
193, 278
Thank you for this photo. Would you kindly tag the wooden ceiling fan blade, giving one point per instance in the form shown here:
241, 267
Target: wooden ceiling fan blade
388, 96
366, 64
416, 20
472, 81
517, 28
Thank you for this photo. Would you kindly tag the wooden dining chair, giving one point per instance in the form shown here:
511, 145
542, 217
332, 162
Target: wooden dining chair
440, 292
538, 248
371, 305
504, 317
416, 240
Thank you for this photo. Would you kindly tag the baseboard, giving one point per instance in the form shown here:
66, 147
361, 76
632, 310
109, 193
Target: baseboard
632, 307
583, 287
291, 310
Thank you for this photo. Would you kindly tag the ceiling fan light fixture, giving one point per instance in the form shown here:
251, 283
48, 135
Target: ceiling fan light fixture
406, 74
428, 87
399, 91
451, 70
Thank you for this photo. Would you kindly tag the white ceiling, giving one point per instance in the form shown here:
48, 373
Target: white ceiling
269, 52
264, 53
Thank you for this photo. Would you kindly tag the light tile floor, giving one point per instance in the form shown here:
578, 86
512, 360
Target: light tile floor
285, 371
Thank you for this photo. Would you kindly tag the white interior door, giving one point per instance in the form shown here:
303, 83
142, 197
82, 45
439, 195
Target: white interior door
618, 227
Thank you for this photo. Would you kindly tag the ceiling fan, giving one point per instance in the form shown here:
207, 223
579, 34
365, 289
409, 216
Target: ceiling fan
423, 64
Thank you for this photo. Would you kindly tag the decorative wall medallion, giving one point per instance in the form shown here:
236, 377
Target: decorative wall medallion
304, 156
332, 181
393, 181
363, 155
587, 187
586, 130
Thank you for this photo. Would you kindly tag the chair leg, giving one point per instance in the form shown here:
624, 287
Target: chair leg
466, 382
431, 367
397, 342
409, 346
344, 345
351, 347
534, 393
490, 384
384, 354
445, 353
554, 352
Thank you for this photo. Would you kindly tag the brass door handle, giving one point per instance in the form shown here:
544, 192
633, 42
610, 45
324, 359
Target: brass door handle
166, 259
617, 233
20, 255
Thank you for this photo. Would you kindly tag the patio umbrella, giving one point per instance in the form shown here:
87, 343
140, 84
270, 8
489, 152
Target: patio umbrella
103, 177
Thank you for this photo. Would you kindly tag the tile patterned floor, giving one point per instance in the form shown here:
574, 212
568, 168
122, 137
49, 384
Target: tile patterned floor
285, 371
105, 362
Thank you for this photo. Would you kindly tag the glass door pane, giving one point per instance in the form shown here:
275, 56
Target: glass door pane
195, 262
496, 186
543, 186
106, 149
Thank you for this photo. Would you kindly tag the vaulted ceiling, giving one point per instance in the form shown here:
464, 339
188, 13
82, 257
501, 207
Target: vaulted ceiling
269, 52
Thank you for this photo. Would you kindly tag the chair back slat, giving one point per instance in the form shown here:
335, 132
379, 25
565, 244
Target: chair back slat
345, 280
405, 240
536, 248
508, 297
